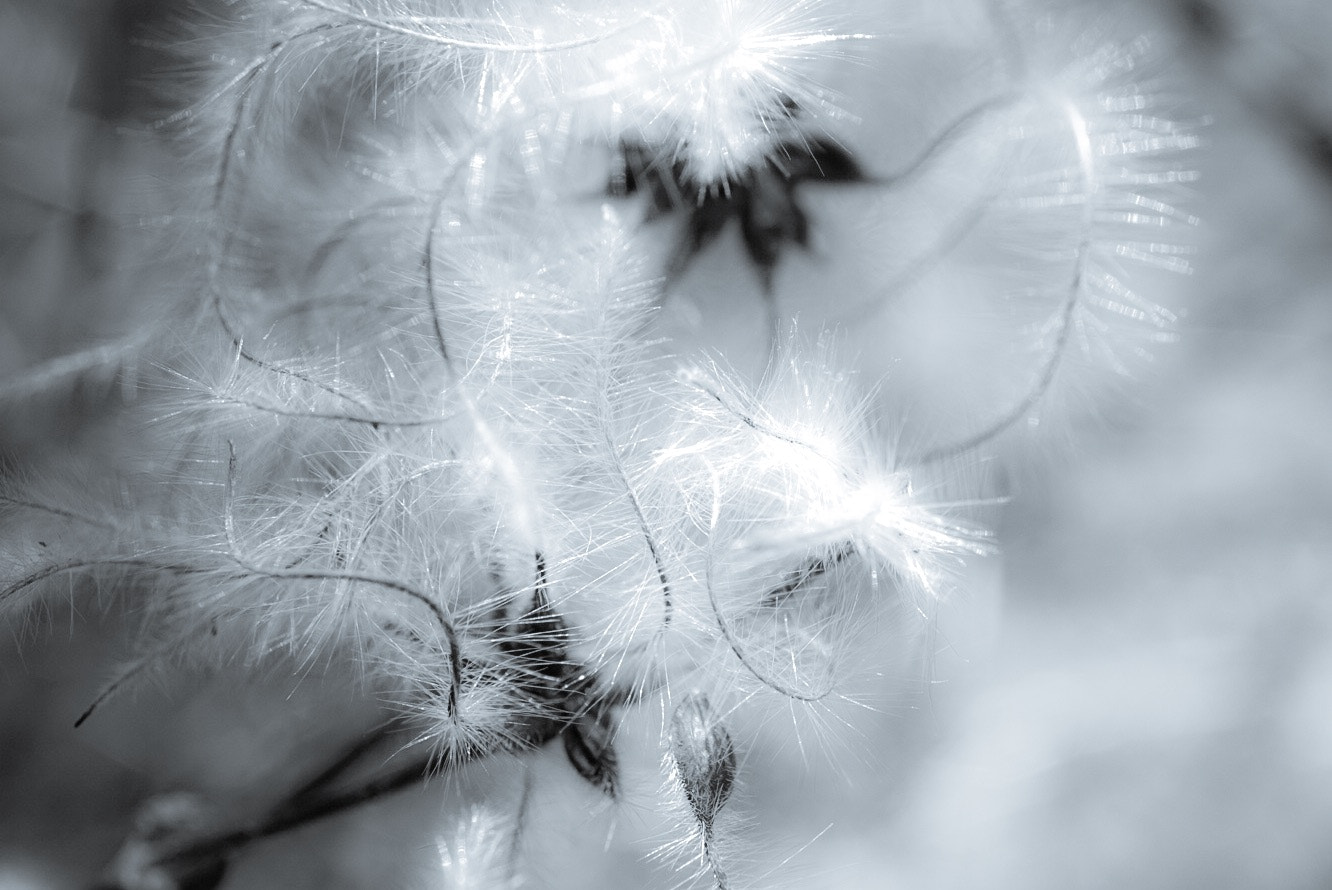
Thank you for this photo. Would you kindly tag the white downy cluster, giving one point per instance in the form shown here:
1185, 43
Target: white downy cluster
416, 412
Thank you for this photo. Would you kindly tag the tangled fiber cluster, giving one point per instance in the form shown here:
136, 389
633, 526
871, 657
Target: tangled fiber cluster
449, 388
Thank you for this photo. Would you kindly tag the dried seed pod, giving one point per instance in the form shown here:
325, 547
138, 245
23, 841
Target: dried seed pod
761, 197
589, 745
704, 758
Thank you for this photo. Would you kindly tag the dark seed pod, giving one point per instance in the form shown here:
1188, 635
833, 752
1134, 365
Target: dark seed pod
589, 745
762, 198
537, 643
704, 758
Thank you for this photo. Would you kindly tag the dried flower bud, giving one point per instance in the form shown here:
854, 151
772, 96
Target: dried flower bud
704, 758
589, 744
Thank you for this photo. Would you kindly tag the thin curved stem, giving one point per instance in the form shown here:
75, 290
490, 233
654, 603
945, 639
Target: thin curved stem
1067, 311
728, 633
53, 372
617, 465
520, 823
339, 235
490, 46
285, 574
300, 414
245, 81
55, 511
1014, 62
301, 809
508, 468
117, 683
962, 225
955, 129
246, 73
78, 565
312, 786
714, 863
289, 818
724, 625
238, 342
698, 381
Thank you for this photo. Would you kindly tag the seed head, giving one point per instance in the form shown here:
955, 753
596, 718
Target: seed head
704, 758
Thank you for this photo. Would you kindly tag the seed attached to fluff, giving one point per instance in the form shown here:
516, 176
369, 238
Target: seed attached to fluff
704, 758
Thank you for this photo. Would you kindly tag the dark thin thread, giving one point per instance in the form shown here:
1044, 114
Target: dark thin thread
729, 634
450, 632
339, 766
520, 823
747, 419
246, 80
115, 685
55, 511
648, 538
1038, 390
517, 48
961, 226
815, 568
1068, 310
79, 564
295, 814
238, 341
949, 133
288, 819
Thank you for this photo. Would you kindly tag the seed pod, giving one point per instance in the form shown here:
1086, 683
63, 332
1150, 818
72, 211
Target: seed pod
704, 758
589, 745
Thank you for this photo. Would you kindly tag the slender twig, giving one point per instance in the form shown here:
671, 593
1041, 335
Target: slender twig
245, 74
728, 632
302, 808
316, 783
242, 352
520, 824
288, 818
301, 414
714, 864
696, 379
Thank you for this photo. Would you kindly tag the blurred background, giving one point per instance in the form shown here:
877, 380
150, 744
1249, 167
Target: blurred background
1152, 704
